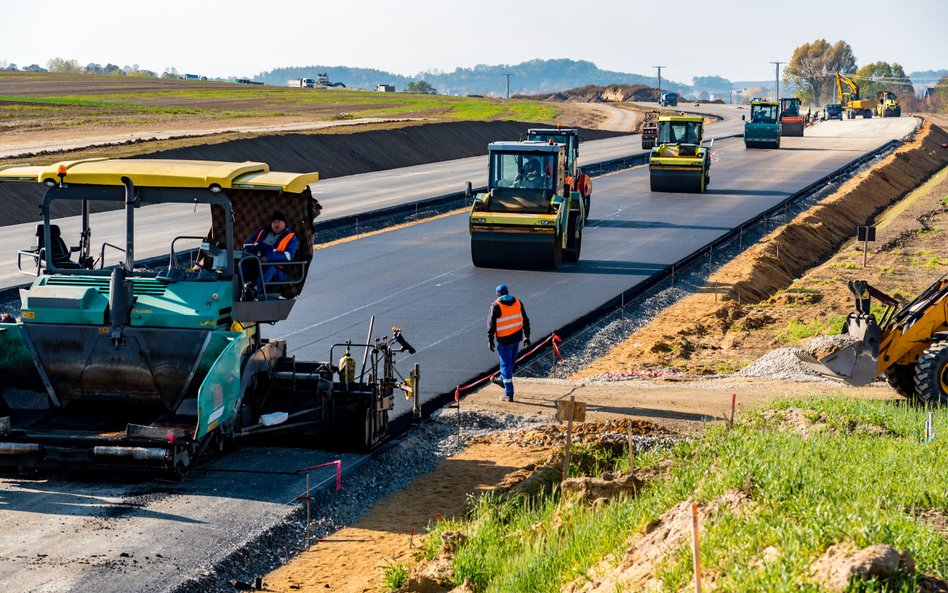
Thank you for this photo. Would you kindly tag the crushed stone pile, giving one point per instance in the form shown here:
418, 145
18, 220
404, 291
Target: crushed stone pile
783, 363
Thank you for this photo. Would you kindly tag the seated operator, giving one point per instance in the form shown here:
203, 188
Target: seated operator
272, 244
532, 176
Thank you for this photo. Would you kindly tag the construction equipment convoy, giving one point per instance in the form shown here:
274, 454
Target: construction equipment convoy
763, 129
791, 120
529, 217
907, 345
679, 163
569, 138
130, 367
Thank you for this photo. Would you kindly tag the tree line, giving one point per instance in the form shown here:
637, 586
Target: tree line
65, 66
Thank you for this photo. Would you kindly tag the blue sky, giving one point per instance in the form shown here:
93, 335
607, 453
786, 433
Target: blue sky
734, 39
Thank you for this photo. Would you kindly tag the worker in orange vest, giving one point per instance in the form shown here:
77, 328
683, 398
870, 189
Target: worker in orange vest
507, 323
272, 244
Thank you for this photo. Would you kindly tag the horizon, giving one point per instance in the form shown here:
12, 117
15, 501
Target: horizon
384, 42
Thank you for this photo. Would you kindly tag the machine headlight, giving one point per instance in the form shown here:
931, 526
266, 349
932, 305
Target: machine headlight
480, 220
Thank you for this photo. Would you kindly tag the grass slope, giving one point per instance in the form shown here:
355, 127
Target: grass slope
863, 479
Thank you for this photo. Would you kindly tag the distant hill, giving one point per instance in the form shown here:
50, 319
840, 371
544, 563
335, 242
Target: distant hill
927, 77
533, 77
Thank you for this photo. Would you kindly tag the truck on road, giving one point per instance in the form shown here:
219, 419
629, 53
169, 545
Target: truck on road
301, 83
668, 99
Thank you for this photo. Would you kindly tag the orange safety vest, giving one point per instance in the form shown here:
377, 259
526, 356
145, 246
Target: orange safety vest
510, 320
281, 246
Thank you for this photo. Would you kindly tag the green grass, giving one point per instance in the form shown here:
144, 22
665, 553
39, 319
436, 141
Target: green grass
394, 575
797, 330
806, 494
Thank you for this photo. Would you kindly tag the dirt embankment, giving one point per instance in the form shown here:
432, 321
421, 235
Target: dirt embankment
333, 155
740, 317
613, 93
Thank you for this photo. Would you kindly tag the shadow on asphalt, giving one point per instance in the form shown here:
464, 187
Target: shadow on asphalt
602, 266
641, 224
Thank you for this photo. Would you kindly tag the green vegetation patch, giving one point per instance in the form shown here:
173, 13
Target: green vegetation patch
868, 478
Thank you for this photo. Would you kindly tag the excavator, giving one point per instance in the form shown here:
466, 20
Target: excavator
851, 102
907, 345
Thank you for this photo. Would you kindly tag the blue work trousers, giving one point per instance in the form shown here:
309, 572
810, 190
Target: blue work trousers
508, 357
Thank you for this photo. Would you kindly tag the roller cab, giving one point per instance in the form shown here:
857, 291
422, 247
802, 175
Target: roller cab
530, 217
570, 140
678, 162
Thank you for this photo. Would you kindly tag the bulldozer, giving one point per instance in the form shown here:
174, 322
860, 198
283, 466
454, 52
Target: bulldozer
791, 120
908, 345
678, 162
137, 365
570, 139
763, 129
529, 217
888, 104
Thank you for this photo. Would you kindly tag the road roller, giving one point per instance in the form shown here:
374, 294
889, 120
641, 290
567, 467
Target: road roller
569, 138
678, 162
763, 129
123, 363
529, 217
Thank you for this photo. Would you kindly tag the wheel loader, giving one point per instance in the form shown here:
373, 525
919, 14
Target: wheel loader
763, 129
791, 121
530, 217
126, 365
575, 177
678, 162
907, 345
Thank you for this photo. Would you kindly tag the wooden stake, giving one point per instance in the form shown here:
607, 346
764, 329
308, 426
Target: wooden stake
569, 437
696, 547
733, 403
628, 427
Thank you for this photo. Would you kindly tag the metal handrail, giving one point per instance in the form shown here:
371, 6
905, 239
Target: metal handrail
260, 265
102, 253
39, 255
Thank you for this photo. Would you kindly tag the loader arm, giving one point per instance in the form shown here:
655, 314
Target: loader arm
914, 328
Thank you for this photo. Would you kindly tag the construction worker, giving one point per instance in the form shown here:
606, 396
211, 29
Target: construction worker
507, 322
272, 244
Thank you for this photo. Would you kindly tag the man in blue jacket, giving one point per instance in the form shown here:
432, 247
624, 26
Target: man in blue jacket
272, 244
507, 323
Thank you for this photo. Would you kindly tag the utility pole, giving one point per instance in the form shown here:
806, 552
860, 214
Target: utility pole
659, 68
508, 75
777, 80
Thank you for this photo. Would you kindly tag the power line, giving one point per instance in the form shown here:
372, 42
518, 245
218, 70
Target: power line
659, 81
777, 80
508, 75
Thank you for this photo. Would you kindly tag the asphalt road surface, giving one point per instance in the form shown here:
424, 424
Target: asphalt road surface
155, 226
420, 278
66, 535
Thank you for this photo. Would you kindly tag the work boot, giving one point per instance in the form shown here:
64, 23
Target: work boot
497, 381
505, 398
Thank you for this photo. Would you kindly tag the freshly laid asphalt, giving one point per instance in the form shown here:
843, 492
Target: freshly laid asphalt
64, 534
420, 278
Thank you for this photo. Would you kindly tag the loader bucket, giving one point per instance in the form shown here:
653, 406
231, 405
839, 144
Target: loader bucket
495, 249
681, 179
856, 364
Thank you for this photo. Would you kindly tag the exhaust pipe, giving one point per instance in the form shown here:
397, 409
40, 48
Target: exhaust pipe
140, 453
20, 449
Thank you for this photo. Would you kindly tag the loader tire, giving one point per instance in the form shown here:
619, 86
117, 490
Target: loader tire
931, 375
901, 378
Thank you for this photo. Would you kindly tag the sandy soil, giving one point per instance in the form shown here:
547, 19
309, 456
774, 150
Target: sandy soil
618, 117
350, 560
752, 302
